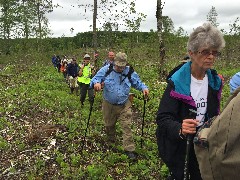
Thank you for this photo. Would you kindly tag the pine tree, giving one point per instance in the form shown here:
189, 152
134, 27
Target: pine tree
212, 17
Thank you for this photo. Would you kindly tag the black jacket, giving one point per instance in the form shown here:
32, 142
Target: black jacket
173, 108
73, 70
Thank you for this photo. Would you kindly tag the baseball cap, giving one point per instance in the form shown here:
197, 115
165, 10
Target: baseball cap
86, 56
120, 59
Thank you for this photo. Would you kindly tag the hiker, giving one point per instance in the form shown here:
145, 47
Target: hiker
192, 97
63, 69
54, 61
234, 82
96, 57
86, 72
110, 60
216, 143
72, 73
116, 104
58, 63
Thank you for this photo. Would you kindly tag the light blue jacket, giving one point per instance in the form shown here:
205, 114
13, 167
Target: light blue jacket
116, 85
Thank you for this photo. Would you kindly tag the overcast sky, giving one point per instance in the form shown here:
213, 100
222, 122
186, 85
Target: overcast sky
185, 13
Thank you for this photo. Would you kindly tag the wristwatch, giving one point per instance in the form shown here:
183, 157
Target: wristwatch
181, 135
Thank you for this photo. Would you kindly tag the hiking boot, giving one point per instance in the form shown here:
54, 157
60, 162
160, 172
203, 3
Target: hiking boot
131, 155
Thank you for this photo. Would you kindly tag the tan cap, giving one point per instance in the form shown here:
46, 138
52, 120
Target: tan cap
120, 59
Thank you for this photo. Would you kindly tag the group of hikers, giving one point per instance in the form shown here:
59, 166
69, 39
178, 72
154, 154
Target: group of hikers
189, 106
77, 76
116, 79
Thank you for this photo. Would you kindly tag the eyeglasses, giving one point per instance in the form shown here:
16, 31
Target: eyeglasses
207, 53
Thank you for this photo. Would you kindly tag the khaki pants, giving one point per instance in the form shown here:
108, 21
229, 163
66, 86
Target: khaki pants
123, 113
73, 82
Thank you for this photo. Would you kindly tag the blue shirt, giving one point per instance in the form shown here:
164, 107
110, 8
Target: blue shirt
54, 60
116, 85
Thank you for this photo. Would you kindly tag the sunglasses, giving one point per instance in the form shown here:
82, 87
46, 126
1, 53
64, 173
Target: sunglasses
207, 53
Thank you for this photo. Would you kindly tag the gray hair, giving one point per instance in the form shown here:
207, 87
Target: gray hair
206, 36
120, 56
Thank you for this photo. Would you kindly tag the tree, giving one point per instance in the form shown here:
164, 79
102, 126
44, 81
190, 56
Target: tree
132, 19
233, 41
167, 23
235, 27
41, 8
180, 32
109, 29
118, 13
159, 17
24, 23
110, 26
212, 17
7, 22
95, 29
24, 19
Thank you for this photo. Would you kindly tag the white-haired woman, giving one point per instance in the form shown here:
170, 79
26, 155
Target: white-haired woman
191, 97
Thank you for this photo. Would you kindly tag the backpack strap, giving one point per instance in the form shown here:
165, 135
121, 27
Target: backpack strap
128, 75
110, 69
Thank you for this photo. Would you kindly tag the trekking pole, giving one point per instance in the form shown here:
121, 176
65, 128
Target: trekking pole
143, 117
90, 112
186, 163
192, 114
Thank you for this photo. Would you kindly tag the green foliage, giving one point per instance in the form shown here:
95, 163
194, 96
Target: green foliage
3, 144
75, 159
33, 94
96, 171
4, 123
235, 27
164, 171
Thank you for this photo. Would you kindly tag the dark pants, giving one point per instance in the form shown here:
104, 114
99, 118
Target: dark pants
65, 75
84, 88
194, 170
193, 167
58, 67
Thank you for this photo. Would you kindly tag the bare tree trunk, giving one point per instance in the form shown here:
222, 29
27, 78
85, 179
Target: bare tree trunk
39, 30
95, 29
160, 35
26, 26
5, 14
